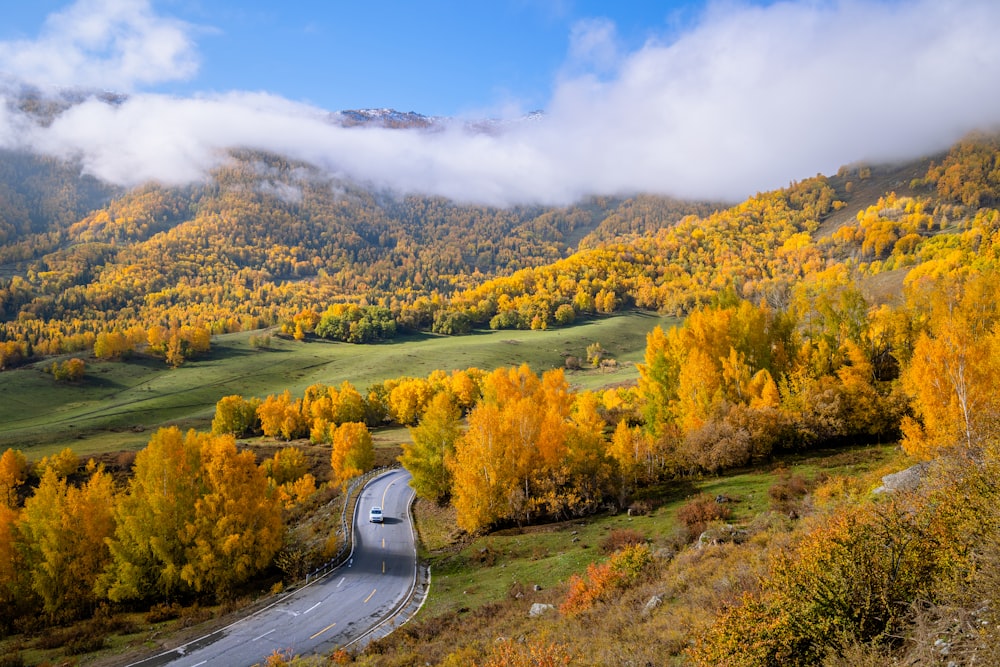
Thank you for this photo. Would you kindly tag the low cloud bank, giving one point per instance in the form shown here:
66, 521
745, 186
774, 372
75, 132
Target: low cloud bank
746, 99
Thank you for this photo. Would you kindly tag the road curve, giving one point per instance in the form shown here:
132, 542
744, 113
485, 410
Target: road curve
342, 607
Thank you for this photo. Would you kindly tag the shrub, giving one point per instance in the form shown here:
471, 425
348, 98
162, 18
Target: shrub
640, 507
621, 538
698, 512
787, 489
602, 579
159, 613
533, 653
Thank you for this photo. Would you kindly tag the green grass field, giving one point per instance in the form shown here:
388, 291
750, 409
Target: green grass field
117, 403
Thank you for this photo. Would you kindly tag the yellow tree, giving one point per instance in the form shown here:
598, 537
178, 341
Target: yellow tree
513, 454
699, 390
287, 465
466, 386
237, 416
408, 399
632, 448
151, 519
590, 470
658, 379
64, 464
952, 380
353, 451
347, 404
483, 476
236, 528
13, 472
65, 530
282, 417
433, 445
954, 369
15, 593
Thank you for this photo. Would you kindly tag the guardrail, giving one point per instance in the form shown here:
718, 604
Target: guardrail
346, 519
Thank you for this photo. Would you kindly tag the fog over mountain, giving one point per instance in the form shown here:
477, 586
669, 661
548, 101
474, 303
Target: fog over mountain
747, 99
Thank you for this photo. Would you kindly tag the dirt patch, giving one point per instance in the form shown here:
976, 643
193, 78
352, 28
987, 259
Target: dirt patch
866, 191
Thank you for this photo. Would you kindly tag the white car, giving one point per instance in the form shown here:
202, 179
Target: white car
375, 515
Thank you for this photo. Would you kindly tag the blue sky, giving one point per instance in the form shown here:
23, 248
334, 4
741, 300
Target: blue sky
437, 57
715, 100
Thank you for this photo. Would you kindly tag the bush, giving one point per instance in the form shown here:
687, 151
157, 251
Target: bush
698, 512
787, 490
620, 571
621, 538
159, 613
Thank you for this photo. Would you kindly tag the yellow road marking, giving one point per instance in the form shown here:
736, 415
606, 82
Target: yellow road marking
367, 598
385, 492
323, 630
383, 567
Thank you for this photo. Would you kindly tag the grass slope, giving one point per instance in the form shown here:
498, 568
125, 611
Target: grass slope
117, 402
472, 572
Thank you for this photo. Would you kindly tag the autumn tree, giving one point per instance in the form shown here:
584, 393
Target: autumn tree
517, 441
953, 372
13, 473
71, 370
63, 464
237, 416
433, 445
16, 596
287, 465
466, 387
591, 476
197, 516
658, 379
484, 480
112, 345
281, 416
236, 527
408, 398
66, 531
353, 451
152, 519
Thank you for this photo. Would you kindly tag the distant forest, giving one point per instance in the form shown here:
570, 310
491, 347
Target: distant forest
264, 243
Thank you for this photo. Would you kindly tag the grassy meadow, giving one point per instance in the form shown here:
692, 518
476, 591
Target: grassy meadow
117, 403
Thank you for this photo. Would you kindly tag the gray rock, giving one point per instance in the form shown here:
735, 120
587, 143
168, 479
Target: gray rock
540, 609
904, 480
652, 604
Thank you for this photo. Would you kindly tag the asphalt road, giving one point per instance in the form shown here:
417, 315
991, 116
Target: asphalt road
330, 612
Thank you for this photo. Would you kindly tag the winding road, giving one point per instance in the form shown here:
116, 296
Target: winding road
333, 611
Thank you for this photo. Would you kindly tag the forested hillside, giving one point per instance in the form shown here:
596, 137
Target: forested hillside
265, 241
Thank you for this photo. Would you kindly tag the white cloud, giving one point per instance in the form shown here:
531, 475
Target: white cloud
593, 44
110, 44
747, 99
